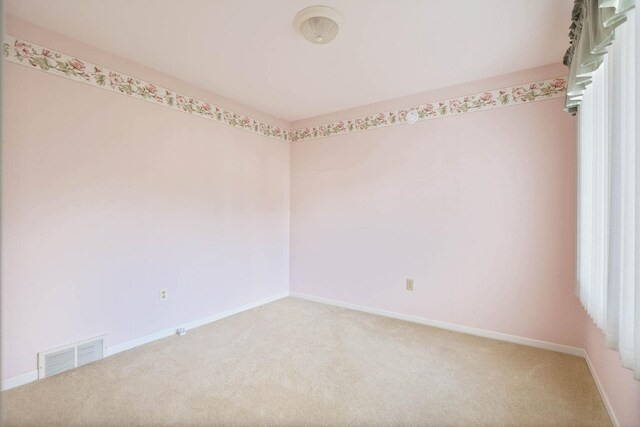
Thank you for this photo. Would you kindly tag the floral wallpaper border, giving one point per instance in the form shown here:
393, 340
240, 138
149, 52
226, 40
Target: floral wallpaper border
520, 94
47, 60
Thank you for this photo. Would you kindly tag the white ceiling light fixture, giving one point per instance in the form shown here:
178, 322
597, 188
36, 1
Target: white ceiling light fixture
318, 24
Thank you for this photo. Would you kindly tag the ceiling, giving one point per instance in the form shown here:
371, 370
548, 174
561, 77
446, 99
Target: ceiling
249, 51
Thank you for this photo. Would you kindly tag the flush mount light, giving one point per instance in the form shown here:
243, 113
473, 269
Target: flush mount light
318, 24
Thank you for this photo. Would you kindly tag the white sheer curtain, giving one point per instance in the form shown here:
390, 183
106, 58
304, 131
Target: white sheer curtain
609, 197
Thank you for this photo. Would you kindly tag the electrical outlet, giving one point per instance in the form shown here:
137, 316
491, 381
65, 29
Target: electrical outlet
164, 294
409, 284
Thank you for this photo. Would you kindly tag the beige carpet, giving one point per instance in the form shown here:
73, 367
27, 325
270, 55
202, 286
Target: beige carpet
294, 362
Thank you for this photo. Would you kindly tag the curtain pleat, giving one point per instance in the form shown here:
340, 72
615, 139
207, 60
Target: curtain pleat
593, 27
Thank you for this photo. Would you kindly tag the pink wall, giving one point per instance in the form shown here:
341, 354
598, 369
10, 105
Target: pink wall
622, 390
107, 199
478, 209
32, 33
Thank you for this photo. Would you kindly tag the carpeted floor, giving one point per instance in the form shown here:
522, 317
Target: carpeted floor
295, 362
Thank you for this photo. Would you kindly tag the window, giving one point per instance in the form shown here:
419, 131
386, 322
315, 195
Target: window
608, 273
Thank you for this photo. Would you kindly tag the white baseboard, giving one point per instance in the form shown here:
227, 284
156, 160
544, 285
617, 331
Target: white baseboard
603, 395
33, 375
190, 325
21, 379
575, 351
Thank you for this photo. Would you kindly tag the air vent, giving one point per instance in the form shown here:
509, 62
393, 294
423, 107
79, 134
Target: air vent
62, 359
59, 361
89, 352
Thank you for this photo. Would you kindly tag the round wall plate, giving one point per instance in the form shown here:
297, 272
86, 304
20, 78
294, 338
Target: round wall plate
412, 116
